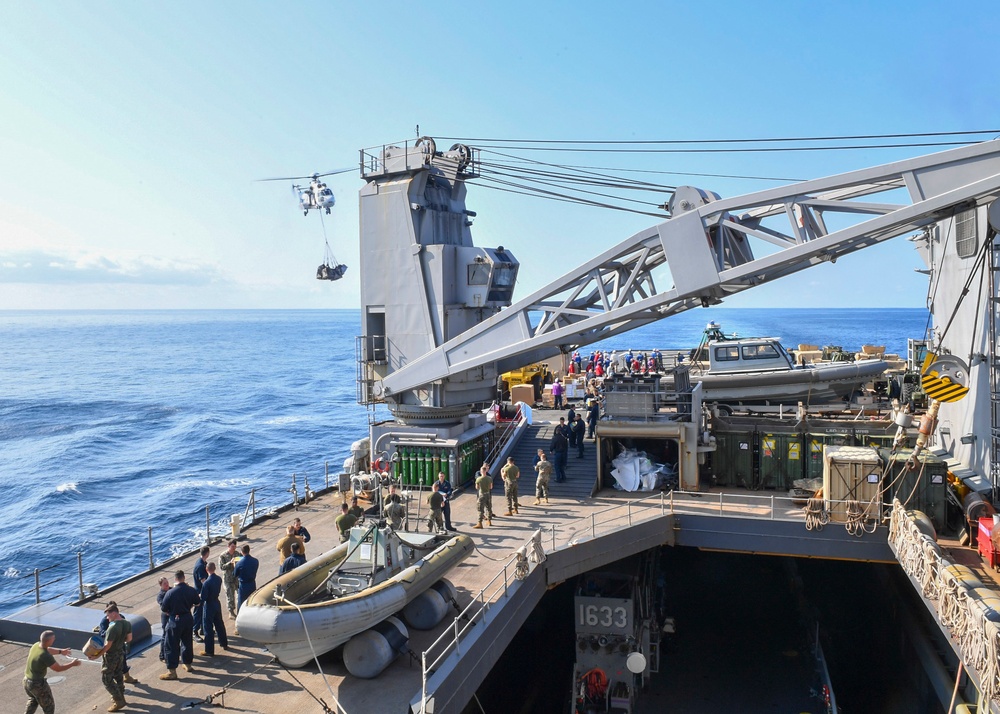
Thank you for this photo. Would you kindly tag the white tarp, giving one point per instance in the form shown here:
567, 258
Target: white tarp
635, 472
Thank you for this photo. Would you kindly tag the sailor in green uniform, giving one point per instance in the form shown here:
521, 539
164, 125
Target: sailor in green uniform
40, 659
112, 671
355, 510
345, 521
435, 519
484, 501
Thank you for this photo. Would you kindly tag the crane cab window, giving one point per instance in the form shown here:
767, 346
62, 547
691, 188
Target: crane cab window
479, 274
965, 233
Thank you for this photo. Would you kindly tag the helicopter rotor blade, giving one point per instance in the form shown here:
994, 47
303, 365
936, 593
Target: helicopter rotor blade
283, 178
334, 172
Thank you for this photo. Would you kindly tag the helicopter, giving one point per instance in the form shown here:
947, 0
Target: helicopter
316, 195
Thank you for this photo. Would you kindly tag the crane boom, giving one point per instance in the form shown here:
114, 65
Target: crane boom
706, 245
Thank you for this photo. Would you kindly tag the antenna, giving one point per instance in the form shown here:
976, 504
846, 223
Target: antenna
418, 131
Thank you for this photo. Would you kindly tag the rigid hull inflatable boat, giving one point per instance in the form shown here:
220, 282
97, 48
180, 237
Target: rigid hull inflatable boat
346, 590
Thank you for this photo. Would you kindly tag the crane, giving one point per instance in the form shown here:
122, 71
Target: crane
705, 248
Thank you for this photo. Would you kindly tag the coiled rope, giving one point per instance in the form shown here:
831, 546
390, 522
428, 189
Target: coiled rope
530, 552
958, 608
816, 514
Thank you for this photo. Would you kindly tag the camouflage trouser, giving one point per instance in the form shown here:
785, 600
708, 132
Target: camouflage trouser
485, 505
542, 488
39, 695
112, 673
396, 512
231, 587
435, 520
510, 489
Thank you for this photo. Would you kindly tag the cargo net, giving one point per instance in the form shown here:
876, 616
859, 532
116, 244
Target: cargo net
964, 605
330, 268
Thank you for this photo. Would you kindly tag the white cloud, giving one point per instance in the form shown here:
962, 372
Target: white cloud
43, 267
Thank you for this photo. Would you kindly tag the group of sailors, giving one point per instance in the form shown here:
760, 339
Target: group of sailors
601, 364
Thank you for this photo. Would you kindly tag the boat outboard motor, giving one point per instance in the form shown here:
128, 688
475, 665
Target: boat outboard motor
370, 652
428, 608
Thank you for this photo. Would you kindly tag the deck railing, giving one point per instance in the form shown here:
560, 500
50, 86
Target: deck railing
73, 575
506, 434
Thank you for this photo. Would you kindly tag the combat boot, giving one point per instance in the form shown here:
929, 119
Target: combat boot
169, 674
478, 525
509, 513
117, 706
129, 679
515, 509
546, 501
188, 668
489, 522
537, 501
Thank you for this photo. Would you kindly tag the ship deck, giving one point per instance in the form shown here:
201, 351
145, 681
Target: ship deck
247, 679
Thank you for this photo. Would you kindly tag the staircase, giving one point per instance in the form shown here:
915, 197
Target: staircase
581, 474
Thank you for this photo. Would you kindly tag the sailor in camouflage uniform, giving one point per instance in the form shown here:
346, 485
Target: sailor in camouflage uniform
226, 562
510, 474
484, 500
40, 659
395, 509
544, 469
119, 633
435, 519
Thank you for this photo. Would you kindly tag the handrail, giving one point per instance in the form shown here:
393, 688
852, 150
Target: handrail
477, 608
503, 437
83, 591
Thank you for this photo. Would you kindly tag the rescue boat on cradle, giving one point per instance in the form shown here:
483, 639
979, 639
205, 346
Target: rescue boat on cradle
347, 590
760, 371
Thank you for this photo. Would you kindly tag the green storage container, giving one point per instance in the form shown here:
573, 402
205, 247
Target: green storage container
781, 460
927, 483
732, 461
813, 446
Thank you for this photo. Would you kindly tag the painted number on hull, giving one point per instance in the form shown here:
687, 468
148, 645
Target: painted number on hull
603, 616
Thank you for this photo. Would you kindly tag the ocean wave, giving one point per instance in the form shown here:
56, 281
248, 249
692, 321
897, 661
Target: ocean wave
68, 487
285, 420
192, 483
11, 572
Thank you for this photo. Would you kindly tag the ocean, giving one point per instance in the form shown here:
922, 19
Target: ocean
116, 422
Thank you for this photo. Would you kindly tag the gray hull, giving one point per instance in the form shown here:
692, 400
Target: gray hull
809, 384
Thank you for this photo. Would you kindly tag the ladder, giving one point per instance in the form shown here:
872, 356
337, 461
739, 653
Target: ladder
994, 321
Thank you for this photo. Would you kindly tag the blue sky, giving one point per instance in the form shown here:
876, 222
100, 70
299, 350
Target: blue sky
131, 133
